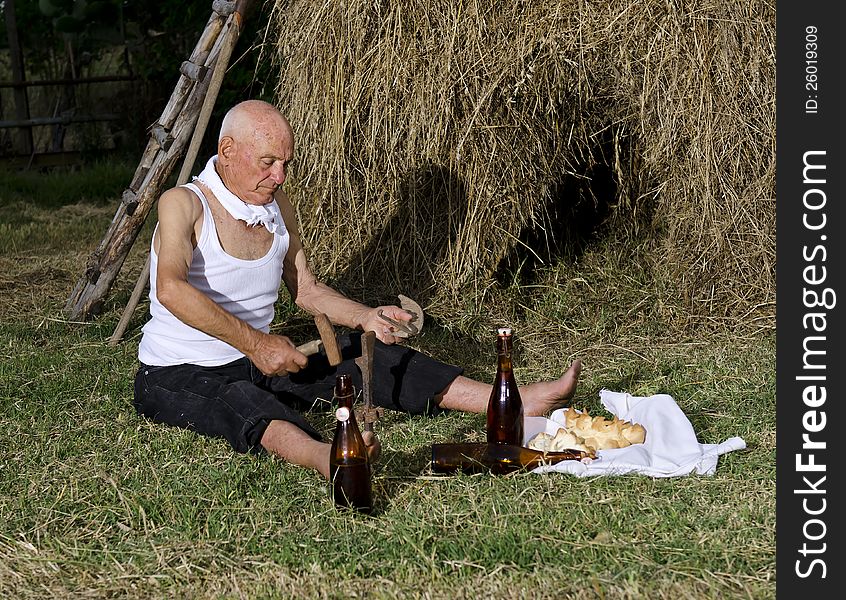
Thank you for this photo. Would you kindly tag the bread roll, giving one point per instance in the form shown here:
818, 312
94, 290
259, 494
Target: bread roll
589, 434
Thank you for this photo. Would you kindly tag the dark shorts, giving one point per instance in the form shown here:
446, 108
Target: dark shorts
236, 401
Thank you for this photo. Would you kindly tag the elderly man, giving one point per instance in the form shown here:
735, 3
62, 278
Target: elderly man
222, 245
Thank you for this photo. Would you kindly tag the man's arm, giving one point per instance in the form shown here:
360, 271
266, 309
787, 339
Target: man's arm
316, 297
180, 219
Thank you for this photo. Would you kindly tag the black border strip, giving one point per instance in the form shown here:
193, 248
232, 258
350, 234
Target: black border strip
811, 227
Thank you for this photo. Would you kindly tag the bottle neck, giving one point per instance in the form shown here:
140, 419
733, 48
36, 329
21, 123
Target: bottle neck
344, 401
503, 352
344, 393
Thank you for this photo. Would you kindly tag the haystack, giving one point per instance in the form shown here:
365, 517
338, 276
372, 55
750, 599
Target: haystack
432, 135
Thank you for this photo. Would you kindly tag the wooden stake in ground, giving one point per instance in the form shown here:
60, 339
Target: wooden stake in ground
168, 141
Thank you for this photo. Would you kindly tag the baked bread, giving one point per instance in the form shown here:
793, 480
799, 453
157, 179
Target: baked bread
562, 440
590, 434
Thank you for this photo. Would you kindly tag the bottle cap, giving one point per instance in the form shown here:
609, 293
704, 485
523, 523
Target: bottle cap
503, 331
342, 414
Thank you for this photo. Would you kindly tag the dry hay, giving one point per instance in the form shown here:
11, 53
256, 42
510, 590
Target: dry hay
432, 134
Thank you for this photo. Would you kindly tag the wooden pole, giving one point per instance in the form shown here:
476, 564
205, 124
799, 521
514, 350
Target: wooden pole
187, 166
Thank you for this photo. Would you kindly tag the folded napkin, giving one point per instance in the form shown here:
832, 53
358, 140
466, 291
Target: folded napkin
670, 450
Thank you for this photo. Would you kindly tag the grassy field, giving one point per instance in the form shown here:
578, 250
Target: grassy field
96, 502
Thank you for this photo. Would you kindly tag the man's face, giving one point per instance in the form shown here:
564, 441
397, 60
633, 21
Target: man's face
254, 165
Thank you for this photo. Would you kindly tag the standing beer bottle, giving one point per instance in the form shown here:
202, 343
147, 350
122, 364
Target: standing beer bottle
349, 468
505, 408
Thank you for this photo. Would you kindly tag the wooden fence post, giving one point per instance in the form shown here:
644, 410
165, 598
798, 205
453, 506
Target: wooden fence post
18, 76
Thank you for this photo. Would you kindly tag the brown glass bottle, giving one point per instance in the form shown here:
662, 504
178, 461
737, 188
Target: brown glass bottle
505, 407
349, 468
480, 457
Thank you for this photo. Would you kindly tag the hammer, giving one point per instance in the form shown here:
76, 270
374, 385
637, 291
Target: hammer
328, 341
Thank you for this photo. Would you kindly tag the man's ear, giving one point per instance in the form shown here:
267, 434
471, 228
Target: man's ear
226, 147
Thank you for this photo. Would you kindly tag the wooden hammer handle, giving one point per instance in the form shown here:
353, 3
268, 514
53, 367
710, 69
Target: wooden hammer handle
328, 338
328, 341
312, 347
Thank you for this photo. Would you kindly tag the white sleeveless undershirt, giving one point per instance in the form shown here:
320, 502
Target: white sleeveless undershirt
247, 289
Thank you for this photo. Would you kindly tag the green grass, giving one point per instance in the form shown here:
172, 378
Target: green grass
97, 502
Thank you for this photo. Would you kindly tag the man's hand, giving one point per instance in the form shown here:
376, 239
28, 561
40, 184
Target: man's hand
276, 355
385, 331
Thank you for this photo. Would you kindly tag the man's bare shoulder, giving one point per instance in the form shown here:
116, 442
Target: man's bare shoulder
180, 202
180, 194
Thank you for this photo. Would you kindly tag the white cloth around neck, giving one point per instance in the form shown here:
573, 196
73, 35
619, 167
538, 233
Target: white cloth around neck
266, 214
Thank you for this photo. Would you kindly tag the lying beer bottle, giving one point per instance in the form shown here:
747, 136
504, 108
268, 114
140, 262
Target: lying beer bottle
481, 457
505, 407
349, 467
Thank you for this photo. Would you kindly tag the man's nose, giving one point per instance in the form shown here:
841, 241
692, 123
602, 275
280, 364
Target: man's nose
277, 173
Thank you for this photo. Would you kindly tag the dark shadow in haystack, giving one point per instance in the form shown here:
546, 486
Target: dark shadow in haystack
578, 208
405, 256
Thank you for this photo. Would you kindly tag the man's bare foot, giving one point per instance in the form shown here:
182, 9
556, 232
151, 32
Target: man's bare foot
543, 397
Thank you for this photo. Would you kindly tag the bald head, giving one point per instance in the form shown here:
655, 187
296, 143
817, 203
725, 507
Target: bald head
250, 116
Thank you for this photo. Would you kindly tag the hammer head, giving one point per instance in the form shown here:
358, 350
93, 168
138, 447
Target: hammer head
329, 339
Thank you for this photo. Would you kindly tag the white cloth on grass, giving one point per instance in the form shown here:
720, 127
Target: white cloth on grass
266, 214
670, 449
